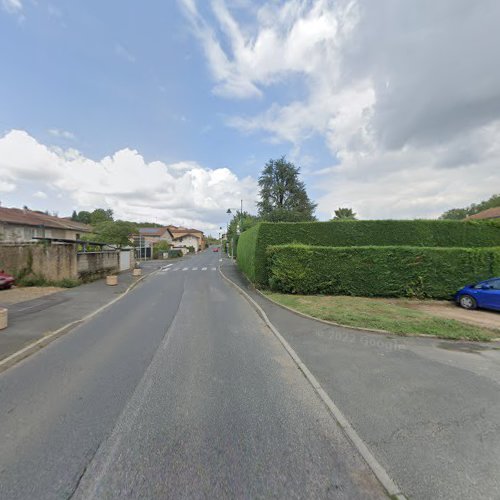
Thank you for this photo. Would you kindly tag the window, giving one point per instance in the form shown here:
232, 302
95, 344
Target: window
495, 284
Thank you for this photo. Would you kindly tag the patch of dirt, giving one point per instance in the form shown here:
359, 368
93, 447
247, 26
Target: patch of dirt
449, 310
22, 294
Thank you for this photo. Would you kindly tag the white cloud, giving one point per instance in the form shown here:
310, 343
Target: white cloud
184, 193
41, 195
407, 98
64, 134
12, 6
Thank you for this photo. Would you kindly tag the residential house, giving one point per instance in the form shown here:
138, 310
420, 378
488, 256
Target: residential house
490, 213
21, 225
178, 237
185, 238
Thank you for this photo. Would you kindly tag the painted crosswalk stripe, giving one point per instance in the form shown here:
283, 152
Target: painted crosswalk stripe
203, 268
185, 268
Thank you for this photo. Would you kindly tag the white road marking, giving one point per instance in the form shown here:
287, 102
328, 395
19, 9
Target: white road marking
214, 269
185, 268
168, 265
220, 260
203, 268
195, 269
177, 269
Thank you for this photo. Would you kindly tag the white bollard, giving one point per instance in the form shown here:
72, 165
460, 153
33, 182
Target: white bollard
4, 315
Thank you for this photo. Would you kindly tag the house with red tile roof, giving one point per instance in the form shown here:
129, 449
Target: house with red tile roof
178, 237
490, 213
22, 224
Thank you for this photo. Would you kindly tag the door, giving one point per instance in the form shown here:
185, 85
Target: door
124, 260
490, 297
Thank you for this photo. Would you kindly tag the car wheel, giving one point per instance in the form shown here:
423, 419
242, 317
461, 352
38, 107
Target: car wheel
468, 302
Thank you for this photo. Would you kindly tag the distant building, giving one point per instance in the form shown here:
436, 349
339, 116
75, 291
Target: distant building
490, 213
177, 237
21, 225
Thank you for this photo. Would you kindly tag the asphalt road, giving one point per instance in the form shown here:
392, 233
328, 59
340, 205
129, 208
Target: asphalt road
178, 390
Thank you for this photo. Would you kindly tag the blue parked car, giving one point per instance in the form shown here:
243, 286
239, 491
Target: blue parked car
485, 294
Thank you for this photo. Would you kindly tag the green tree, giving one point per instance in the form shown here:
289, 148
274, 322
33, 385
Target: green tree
344, 214
113, 232
101, 215
160, 248
74, 216
283, 195
83, 216
475, 208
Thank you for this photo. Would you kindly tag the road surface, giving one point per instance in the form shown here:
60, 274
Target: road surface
178, 390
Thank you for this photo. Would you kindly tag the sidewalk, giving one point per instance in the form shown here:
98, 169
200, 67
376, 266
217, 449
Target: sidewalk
33, 319
428, 409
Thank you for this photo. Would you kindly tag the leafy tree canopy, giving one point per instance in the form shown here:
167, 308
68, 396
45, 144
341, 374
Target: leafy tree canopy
101, 215
475, 208
112, 232
344, 214
283, 194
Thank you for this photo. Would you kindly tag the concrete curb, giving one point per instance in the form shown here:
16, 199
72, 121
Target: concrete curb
34, 347
380, 473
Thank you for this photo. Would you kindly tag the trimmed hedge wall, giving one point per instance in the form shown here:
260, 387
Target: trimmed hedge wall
379, 271
422, 233
247, 250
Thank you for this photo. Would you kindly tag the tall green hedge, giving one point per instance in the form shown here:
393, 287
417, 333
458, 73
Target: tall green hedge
423, 233
379, 271
247, 247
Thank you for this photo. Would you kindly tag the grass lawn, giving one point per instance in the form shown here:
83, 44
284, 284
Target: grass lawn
381, 315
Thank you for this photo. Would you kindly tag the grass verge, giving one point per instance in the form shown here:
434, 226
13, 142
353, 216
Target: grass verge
376, 314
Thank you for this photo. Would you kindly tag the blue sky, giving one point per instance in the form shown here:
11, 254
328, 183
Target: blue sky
214, 89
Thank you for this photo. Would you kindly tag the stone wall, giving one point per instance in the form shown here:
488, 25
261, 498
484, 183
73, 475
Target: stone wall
93, 265
54, 262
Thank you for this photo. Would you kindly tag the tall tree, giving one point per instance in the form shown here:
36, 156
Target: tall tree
83, 216
283, 195
74, 216
101, 215
344, 214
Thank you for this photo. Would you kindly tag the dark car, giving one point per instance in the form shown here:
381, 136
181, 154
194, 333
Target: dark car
485, 294
6, 280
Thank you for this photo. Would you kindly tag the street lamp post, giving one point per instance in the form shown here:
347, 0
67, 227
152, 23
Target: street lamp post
238, 230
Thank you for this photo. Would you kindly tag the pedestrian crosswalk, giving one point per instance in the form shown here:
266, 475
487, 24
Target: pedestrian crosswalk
173, 269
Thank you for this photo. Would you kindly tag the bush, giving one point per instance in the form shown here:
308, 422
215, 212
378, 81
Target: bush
67, 283
172, 254
379, 271
346, 233
31, 280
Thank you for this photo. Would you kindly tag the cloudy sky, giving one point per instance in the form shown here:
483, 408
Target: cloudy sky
167, 111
